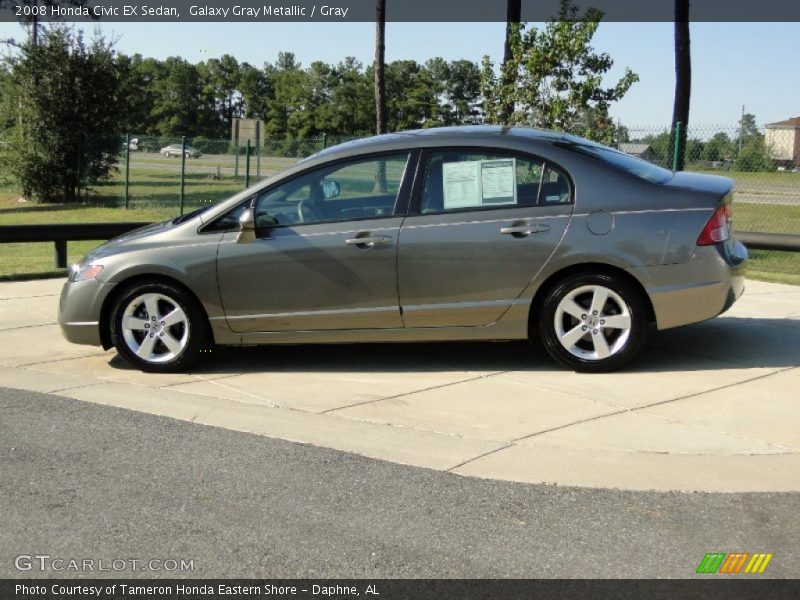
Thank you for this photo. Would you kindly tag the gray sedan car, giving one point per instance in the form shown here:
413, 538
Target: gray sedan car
178, 149
470, 233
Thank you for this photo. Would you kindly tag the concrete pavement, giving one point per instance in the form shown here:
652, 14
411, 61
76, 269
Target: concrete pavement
82, 480
709, 407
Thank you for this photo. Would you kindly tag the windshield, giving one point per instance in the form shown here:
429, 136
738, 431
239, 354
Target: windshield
635, 166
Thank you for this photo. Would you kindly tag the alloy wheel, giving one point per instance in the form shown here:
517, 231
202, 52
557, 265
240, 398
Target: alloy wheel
155, 328
592, 322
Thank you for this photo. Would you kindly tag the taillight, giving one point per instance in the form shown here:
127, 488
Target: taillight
718, 227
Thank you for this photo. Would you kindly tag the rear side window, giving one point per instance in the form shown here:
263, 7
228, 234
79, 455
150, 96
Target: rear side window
619, 160
468, 180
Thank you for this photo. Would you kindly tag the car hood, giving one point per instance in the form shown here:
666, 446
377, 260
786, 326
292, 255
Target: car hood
122, 242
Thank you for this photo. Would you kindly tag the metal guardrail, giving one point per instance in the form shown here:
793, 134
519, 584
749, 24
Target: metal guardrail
62, 233
769, 241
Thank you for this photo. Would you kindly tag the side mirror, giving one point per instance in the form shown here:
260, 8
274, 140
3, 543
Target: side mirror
247, 227
330, 189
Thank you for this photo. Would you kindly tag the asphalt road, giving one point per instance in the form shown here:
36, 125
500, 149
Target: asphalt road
79, 480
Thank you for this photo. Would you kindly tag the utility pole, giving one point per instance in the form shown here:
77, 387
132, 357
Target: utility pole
741, 133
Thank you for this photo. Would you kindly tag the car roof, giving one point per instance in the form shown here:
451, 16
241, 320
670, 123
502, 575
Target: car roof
464, 135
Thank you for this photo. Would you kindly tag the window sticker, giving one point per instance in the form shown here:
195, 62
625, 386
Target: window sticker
499, 181
476, 183
461, 184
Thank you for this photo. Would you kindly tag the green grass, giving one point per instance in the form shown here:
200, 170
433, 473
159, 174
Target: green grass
782, 178
154, 197
767, 218
777, 267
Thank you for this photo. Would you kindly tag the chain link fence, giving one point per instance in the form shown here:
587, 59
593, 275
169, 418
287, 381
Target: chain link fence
156, 171
763, 163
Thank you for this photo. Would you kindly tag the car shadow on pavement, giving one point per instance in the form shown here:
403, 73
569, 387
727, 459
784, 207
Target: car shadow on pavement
724, 342
718, 344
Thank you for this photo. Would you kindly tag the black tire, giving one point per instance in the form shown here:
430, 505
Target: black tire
584, 356
194, 333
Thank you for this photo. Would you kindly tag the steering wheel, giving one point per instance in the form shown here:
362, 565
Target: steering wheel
301, 207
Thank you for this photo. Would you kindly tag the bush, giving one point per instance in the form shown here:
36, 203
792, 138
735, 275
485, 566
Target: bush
66, 137
209, 146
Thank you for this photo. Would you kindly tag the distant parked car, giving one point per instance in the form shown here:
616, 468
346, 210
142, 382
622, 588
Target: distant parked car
176, 150
133, 144
796, 170
464, 233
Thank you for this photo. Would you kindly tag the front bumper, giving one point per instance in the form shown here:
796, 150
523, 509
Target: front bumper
79, 311
713, 281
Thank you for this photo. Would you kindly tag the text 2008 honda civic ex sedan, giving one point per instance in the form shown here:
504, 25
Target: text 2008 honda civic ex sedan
473, 233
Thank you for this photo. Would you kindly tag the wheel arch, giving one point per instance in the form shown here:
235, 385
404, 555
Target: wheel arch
121, 287
592, 268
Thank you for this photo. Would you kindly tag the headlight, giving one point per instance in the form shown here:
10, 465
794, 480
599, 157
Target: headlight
84, 272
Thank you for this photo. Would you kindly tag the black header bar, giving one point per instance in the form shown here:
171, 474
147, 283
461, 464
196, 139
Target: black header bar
400, 10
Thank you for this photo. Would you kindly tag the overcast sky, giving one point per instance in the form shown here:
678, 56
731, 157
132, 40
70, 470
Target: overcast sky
754, 64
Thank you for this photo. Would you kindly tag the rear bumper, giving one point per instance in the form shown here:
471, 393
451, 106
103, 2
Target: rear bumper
79, 311
714, 281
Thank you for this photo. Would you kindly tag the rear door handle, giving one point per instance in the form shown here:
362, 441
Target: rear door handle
524, 230
369, 241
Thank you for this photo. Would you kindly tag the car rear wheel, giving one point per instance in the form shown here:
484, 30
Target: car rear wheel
593, 322
158, 328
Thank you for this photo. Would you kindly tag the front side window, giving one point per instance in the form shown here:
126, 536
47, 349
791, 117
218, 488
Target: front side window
467, 180
364, 188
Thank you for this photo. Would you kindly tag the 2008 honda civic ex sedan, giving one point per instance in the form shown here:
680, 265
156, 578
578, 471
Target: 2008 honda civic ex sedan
468, 233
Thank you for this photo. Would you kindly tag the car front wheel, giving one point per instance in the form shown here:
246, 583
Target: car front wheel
158, 328
593, 322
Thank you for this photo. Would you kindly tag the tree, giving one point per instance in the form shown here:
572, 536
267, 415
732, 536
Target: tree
456, 87
694, 150
683, 79
288, 115
718, 148
34, 20
67, 136
380, 60
138, 78
754, 156
660, 143
257, 90
752, 153
351, 110
221, 80
411, 96
748, 130
558, 78
509, 72
181, 107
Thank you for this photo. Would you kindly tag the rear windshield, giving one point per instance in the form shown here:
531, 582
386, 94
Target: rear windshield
635, 166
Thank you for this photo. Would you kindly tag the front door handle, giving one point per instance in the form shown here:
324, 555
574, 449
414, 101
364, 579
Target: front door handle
368, 241
524, 230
